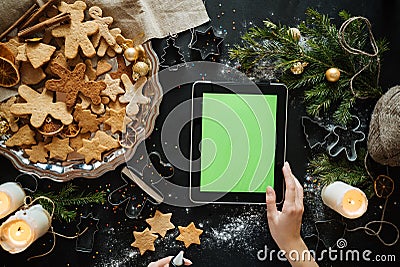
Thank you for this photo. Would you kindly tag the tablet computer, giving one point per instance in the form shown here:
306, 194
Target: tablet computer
238, 141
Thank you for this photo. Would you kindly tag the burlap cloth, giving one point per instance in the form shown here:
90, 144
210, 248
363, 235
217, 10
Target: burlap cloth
141, 20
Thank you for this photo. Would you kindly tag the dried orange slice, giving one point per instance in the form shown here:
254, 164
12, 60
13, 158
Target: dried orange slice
6, 53
9, 75
383, 186
51, 127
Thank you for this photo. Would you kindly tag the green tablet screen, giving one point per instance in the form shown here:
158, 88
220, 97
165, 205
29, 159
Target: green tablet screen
238, 142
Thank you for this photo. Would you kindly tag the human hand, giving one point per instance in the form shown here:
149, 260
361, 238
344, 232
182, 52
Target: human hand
285, 225
164, 262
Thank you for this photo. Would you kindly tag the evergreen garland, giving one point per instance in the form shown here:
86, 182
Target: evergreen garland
320, 49
328, 170
66, 199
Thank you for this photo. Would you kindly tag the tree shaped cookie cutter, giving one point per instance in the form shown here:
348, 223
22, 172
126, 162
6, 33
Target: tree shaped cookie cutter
345, 139
316, 133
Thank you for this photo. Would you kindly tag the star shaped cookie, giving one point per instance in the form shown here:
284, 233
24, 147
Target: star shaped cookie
144, 241
117, 120
160, 223
189, 235
91, 149
113, 89
38, 153
59, 148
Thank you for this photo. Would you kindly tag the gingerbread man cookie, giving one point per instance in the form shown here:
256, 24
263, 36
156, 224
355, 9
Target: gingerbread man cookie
133, 94
73, 82
104, 23
40, 106
76, 33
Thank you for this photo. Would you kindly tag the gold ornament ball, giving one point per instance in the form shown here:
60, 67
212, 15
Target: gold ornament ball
131, 54
141, 68
141, 51
295, 33
332, 74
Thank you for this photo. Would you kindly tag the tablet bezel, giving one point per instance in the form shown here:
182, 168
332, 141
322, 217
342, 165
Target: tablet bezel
201, 87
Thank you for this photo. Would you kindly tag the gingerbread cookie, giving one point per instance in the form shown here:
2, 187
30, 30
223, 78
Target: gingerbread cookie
122, 69
76, 142
161, 223
144, 241
104, 48
73, 82
24, 136
106, 140
117, 120
92, 149
113, 89
104, 23
76, 33
59, 148
21, 56
5, 112
30, 75
40, 106
90, 71
38, 153
39, 54
86, 120
133, 94
189, 235
103, 67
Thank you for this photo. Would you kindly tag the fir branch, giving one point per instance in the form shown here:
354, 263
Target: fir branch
328, 170
322, 50
67, 199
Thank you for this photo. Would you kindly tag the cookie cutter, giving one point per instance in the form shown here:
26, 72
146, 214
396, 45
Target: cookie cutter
27, 182
207, 43
316, 133
88, 226
136, 192
345, 139
168, 59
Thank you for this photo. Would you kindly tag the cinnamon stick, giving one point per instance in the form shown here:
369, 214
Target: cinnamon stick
47, 23
38, 14
15, 24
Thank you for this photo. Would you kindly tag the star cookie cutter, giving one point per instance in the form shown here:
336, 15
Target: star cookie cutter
207, 43
88, 226
316, 133
345, 139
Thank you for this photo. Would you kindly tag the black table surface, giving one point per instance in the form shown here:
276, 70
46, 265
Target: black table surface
233, 234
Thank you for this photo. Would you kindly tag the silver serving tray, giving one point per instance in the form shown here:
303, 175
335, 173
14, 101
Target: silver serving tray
69, 170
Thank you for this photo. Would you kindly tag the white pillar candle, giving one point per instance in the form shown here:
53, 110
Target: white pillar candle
19, 231
11, 198
347, 200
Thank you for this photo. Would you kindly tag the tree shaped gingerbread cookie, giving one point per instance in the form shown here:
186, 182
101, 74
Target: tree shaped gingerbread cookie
76, 33
73, 82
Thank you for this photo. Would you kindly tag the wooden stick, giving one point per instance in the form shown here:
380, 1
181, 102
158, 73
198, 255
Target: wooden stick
15, 24
37, 14
47, 23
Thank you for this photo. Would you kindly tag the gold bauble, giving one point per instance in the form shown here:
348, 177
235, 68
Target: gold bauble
141, 68
131, 54
332, 74
141, 51
4, 126
295, 33
298, 67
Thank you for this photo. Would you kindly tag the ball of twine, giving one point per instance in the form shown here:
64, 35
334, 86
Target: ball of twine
384, 129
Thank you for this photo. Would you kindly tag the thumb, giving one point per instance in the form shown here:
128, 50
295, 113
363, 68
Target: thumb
272, 211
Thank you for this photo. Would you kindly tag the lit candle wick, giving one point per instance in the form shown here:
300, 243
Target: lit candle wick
19, 231
351, 201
